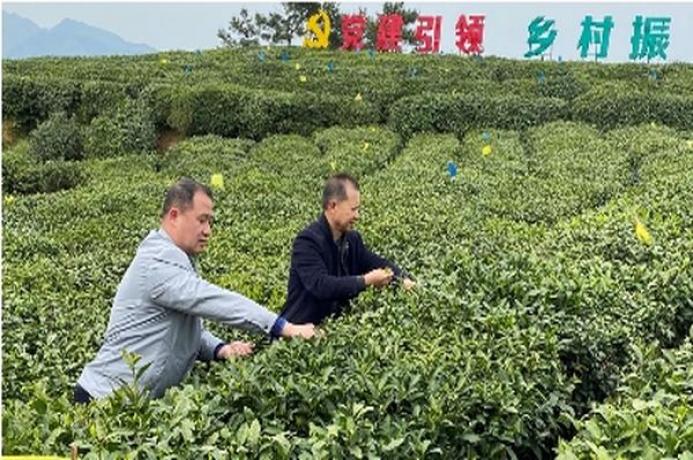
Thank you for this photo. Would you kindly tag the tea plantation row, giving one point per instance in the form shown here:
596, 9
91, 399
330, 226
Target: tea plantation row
535, 299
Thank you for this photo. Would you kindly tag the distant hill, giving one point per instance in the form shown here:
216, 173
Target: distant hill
22, 38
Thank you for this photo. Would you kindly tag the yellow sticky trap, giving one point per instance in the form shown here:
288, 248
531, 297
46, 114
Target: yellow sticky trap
486, 150
372, 129
298, 66
365, 146
333, 165
9, 199
689, 143
217, 181
358, 97
164, 61
303, 78
642, 233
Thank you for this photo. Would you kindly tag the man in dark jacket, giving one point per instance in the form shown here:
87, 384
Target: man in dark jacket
330, 264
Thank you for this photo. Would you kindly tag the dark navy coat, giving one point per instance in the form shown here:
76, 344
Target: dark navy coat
325, 274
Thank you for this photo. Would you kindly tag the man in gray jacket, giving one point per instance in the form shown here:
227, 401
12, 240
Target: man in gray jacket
159, 305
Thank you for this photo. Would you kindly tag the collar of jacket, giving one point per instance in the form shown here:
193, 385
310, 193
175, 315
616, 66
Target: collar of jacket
167, 237
325, 226
327, 230
341, 246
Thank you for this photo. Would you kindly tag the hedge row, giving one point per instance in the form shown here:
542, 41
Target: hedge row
231, 111
457, 114
470, 365
608, 108
393, 380
22, 173
604, 108
409, 106
49, 161
558, 237
650, 415
30, 100
244, 66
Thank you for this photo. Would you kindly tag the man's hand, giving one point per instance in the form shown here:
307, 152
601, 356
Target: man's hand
305, 331
379, 277
408, 284
235, 349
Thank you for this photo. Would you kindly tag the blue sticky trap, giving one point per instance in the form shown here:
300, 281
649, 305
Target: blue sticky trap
284, 56
486, 136
452, 169
330, 66
261, 56
371, 53
653, 74
560, 58
541, 77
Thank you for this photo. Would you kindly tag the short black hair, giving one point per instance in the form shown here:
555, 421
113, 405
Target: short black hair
335, 188
181, 194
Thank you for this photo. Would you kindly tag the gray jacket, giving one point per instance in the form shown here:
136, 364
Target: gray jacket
157, 313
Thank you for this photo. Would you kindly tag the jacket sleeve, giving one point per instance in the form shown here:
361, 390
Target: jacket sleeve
369, 260
314, 276
208, 345
171, 285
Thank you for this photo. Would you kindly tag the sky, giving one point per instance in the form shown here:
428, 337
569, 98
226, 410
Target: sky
191, 26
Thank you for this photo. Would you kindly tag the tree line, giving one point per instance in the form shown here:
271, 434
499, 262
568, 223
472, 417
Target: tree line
288, 26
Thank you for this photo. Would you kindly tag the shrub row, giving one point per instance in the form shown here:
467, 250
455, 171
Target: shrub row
28, 101
243, 66
650, 415
458, 113
410, 105
233, 111
48, 162
604, 108
22, 173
